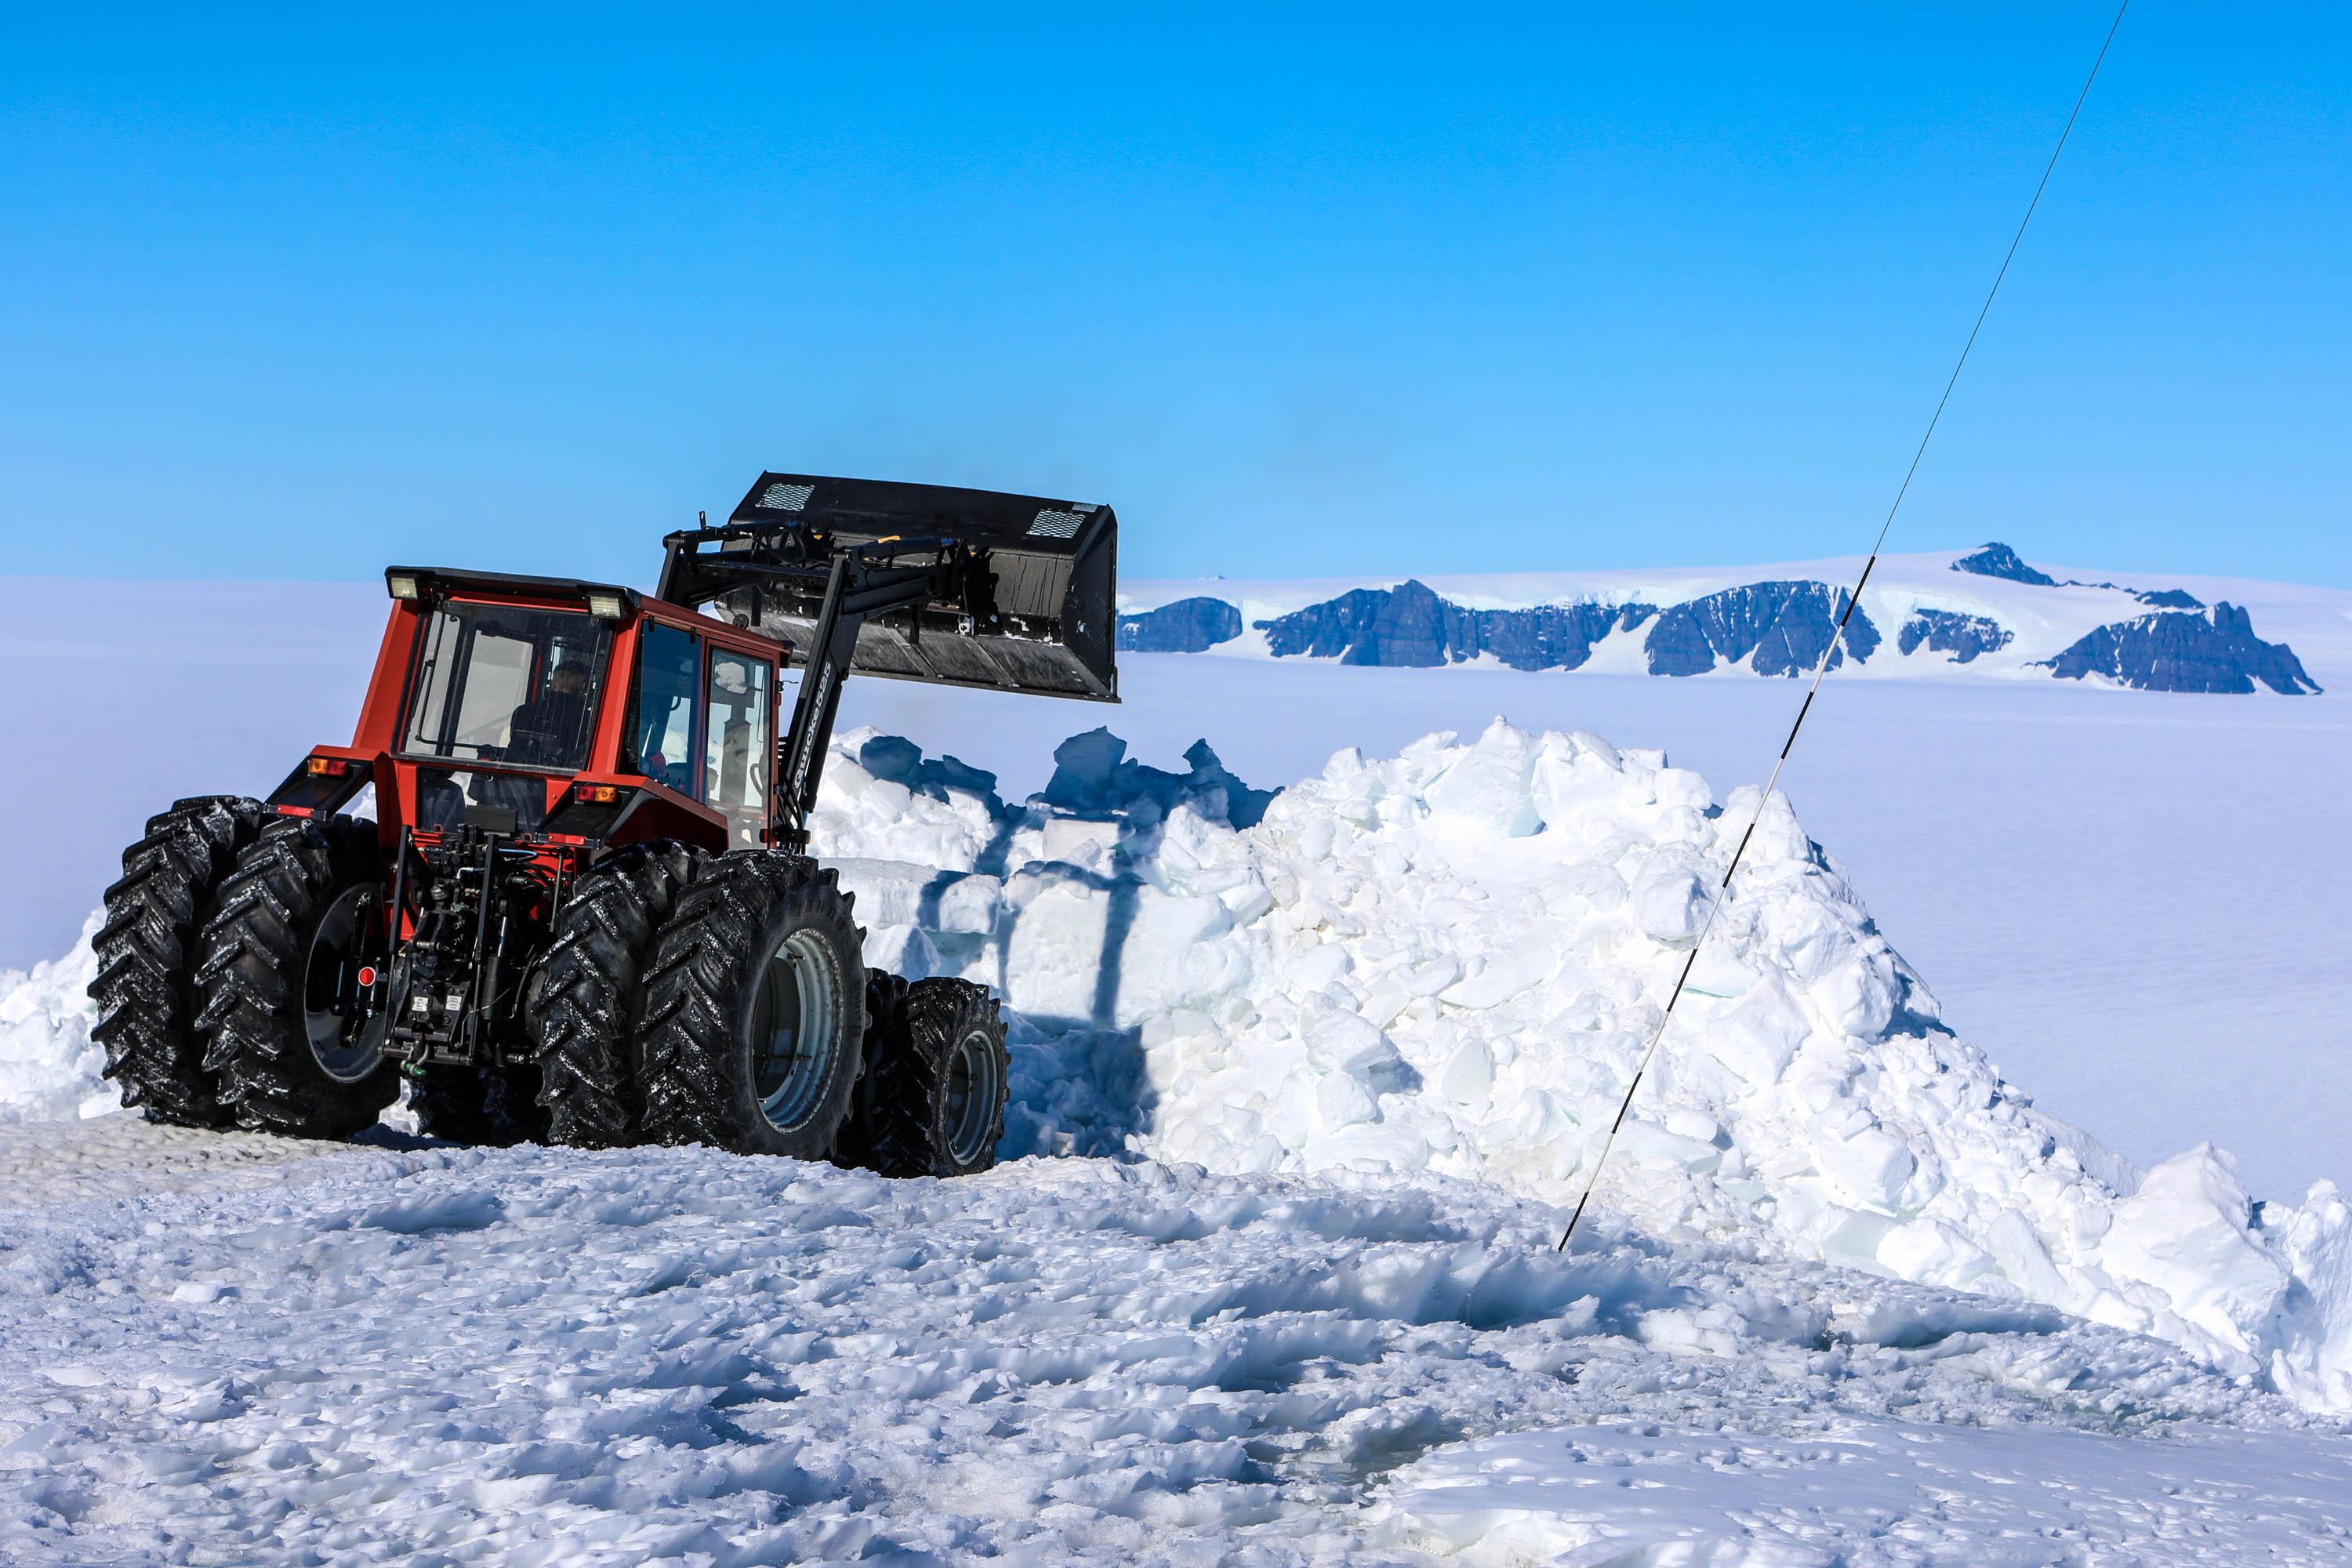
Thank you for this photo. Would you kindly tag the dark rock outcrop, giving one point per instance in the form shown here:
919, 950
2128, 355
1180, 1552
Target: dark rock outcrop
1778, 629
1411, 625
1403, 626
1944, 631
2000, 561
2176, 651
1188, 626
1548, 637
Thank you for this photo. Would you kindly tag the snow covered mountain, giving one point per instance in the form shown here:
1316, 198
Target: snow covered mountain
1982, 614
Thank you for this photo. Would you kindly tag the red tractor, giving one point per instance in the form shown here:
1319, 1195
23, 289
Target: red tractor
560, 881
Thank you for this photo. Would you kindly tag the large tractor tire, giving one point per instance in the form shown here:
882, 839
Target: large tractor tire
146, 952
275, 981
755, 1010
584, 997
933, 1100
490, 1106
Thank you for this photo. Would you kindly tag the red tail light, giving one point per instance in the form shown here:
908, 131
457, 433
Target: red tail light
330, 767
595, 795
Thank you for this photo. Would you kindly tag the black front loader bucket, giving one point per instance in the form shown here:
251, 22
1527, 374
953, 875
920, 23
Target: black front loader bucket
1044, 575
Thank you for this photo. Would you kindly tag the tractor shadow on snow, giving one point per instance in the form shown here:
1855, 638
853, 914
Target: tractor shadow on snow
1093, 782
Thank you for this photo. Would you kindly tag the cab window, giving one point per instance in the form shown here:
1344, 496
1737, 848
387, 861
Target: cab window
661, 732
737, 749
506, 684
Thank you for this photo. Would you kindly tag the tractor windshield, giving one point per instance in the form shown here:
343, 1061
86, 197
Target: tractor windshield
504, 684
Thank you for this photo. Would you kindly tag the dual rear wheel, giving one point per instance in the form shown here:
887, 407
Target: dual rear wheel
279, 1019
931, 1102
281, 1023
146, 952
763, 1032
227, 989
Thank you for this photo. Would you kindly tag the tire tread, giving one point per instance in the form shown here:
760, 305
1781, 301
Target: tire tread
585, 998
901, 1131
700, 983
250, 981
146, 953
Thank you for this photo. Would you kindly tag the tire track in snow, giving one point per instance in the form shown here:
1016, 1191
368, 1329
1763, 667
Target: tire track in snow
461, 1356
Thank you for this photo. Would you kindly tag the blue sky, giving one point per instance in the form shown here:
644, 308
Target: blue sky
295, 294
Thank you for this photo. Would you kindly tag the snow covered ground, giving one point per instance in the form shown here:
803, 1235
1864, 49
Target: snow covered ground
1328, 1076
396, 1353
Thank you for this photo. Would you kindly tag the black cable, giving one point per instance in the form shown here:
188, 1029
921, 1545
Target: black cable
1723, 889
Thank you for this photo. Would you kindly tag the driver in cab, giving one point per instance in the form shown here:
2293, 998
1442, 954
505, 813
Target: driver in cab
547, 730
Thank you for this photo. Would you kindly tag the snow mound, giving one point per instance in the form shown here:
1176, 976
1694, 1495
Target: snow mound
1445, 963
49, 1066
1448, 961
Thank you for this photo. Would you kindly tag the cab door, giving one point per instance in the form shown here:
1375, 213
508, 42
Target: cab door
738, 745
664, 741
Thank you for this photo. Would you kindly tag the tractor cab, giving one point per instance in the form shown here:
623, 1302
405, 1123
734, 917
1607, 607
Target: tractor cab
560, 714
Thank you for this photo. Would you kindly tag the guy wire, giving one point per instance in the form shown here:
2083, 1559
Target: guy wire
1837, 635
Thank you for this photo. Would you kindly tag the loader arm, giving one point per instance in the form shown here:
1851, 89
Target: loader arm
856, 589
856, 584
909, 581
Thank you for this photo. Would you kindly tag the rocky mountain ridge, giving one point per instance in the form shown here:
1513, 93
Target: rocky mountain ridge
2162, 639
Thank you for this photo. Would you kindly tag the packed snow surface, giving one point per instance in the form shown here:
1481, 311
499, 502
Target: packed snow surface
408, 1353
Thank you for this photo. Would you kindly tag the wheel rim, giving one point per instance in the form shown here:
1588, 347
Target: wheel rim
345, 1045
973, 1088
795, 1028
